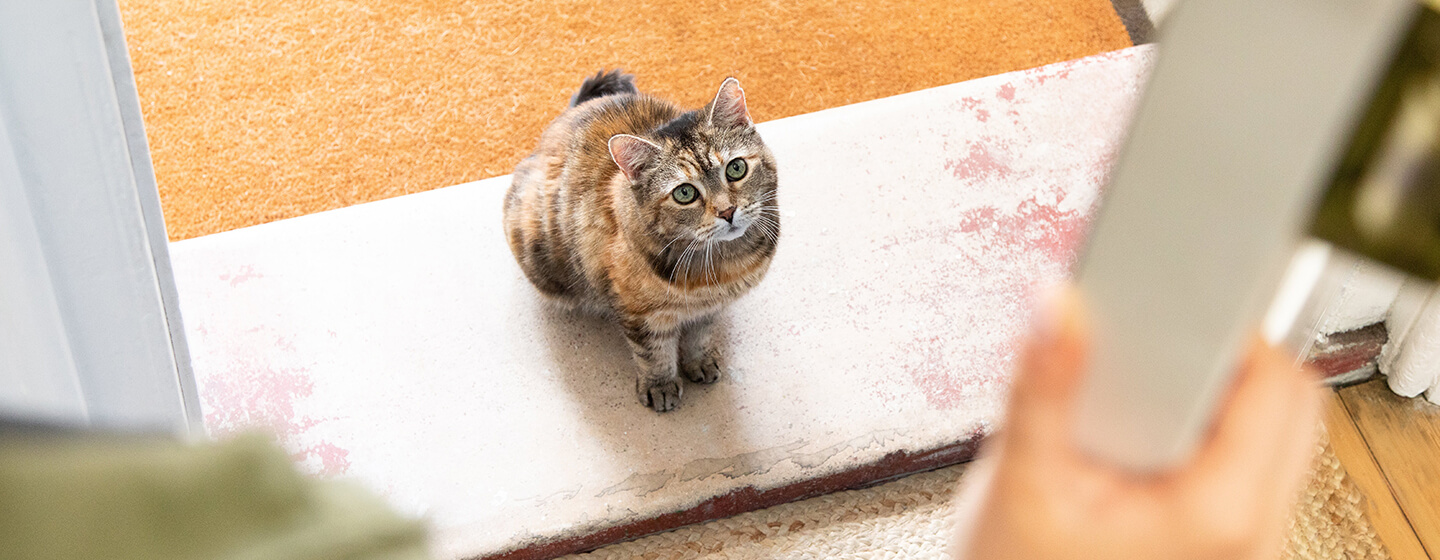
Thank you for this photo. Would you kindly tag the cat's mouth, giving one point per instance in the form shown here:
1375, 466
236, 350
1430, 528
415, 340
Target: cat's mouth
726, 231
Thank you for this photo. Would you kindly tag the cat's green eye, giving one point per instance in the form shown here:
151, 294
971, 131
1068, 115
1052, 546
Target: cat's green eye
735, 170
685, 193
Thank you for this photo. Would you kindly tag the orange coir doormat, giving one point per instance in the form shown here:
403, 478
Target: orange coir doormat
259, 110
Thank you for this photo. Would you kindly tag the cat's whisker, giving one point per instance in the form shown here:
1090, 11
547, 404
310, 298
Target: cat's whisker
710, 266
766, 220
661, 254
685, 259
769, 227
667, 245
767, 230
769, 195
670, 291
705, 266
679, 262
698, 256
688, 262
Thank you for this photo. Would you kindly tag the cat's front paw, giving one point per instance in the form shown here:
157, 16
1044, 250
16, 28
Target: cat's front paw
705, 369
663, 395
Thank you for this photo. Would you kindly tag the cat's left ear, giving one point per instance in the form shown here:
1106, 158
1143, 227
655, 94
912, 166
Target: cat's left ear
728, 108
632, 153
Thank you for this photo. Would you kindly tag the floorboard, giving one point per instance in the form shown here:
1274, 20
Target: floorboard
1403, 436
1381, 508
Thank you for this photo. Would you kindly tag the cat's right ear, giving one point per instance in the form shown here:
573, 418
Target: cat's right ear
632, 153
728, 108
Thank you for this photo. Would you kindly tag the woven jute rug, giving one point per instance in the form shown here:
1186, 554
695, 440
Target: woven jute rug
1330, 520
910, 518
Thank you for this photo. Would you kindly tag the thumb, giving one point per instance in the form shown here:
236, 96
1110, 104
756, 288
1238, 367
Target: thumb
1051, 367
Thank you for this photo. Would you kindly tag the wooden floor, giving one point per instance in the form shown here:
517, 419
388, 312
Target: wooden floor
1390, 446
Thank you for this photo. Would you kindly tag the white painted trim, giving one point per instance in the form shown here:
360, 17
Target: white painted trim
32, 333
148, 191
76, 153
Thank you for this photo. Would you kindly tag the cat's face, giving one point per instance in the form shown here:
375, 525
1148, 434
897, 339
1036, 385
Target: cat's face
704, 178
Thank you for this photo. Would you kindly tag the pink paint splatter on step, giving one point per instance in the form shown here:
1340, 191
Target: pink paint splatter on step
979, 162
333, 460
1101, 167
1007, 92
1006, 253
1039, 76
251, 394
1032, 226
884, 392
246, 273
972, 104
254, 393
948, 382
934, 375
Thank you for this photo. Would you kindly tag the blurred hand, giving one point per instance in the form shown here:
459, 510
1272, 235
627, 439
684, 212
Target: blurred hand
1034, 496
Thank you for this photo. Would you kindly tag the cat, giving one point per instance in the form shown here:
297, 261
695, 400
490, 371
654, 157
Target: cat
651, 215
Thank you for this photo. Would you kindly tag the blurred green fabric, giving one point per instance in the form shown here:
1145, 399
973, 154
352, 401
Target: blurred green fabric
91, 497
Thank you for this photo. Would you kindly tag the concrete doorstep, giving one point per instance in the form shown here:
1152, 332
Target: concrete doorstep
397, 342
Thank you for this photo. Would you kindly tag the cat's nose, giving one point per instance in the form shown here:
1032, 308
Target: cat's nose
728, 214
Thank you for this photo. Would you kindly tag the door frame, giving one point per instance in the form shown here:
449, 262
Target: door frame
92, 334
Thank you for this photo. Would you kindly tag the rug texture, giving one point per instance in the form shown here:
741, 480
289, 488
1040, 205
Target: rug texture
258, 110
910, 519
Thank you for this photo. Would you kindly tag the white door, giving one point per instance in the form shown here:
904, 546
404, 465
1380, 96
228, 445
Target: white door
90, 330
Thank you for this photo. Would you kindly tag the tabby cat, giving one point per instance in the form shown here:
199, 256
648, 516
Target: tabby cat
655, 216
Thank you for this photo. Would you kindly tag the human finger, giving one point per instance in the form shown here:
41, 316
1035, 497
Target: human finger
1049, 373
1252, 424
1295, 449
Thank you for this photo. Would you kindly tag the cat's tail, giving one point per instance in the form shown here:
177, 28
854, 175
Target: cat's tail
602, 84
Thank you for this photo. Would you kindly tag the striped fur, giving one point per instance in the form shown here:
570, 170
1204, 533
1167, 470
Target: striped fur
593, 223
